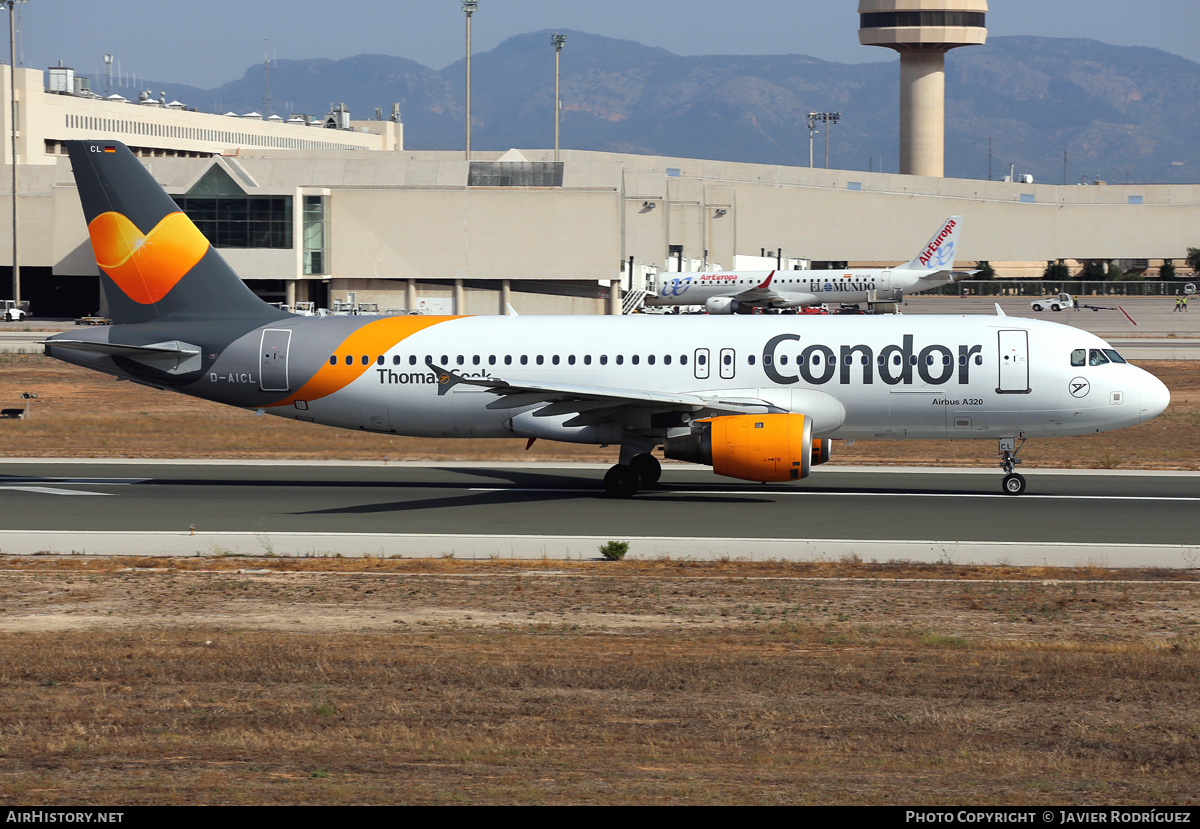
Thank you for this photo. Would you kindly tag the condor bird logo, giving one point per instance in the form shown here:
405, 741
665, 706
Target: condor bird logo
146, 266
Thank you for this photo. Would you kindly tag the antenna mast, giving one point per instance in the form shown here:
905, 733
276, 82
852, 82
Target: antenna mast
267, 67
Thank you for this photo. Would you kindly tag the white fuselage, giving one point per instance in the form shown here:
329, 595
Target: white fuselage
878, 377
796, 288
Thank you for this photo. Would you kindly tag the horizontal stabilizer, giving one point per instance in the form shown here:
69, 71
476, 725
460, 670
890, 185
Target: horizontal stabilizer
172, 357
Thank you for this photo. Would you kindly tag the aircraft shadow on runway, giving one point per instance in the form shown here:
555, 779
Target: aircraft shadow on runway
517, 485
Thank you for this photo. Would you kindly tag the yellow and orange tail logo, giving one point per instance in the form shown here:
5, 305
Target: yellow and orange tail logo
146, 266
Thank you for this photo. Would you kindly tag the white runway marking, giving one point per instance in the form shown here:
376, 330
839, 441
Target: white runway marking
46, 490
50, 486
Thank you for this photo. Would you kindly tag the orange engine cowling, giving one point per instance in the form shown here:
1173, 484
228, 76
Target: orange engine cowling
822, 448
767, 447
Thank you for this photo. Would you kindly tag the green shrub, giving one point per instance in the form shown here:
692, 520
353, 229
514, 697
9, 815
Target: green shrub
1056, 270
614, 550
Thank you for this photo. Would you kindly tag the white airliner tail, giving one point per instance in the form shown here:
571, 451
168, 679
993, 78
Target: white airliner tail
938, 253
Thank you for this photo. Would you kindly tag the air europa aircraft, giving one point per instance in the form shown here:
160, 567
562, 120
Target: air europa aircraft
755, 398
740, 292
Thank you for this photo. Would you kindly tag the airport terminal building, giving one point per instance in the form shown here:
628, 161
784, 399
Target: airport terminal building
336, 210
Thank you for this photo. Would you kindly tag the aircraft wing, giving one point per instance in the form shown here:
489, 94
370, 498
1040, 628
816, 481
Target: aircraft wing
594, 404
759, 294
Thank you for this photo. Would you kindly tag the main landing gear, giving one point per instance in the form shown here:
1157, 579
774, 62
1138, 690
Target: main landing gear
625, 479
1013, 484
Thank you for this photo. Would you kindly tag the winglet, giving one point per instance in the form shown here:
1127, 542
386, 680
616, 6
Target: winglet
446, 379
1000, 311
512, 312
767, 282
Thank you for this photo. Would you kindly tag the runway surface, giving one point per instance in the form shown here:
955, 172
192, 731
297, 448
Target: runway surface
557, 511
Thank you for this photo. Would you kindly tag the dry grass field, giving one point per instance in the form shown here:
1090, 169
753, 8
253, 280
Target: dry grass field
234, 681
337, 681
83, 414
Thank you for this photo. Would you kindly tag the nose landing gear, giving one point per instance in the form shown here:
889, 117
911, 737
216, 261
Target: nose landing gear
1013, 483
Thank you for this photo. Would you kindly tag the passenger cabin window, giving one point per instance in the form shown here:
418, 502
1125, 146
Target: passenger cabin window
1079, 357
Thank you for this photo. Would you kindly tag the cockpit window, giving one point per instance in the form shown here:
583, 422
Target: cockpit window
1079, 357
1114, 356
1096, 357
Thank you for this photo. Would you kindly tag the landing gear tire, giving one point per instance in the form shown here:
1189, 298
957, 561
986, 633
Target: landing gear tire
621, 481
648, 469
1013, 484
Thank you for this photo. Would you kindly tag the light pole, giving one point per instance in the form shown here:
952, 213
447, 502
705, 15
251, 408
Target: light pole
12, 120
558, 41
827, 118
470, 7
812, 124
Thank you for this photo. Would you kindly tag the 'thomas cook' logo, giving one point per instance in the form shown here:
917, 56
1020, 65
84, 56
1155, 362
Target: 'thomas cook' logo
146, 266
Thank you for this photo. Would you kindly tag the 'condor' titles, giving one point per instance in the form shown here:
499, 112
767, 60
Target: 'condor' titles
818, 364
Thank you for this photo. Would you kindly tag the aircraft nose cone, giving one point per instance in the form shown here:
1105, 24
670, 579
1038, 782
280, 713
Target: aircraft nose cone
1155, 396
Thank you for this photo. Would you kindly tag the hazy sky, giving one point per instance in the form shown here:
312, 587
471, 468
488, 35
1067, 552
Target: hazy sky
209, 43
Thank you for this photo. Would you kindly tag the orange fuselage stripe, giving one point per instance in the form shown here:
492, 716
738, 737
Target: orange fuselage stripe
372, 339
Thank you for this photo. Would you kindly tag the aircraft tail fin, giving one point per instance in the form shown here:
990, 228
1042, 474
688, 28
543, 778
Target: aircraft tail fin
938, 253
154, 263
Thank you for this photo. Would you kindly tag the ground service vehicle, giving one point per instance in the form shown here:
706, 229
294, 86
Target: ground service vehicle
13, 311
1054, 303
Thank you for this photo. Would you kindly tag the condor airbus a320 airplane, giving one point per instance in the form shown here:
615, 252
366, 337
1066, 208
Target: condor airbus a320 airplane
741, 292
757, 398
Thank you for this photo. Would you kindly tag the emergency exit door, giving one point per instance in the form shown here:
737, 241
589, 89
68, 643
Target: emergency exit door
1014, 362
273, 365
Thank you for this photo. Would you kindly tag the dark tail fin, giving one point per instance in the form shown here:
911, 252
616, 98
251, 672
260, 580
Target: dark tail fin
154, 263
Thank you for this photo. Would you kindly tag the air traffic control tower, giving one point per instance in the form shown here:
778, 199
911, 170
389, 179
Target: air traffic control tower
922, 31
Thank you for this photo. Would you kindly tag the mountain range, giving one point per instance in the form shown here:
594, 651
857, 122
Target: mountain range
1119, 114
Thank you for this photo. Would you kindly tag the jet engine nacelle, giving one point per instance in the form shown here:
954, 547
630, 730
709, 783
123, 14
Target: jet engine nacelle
722, 305
822, 448
766, 447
